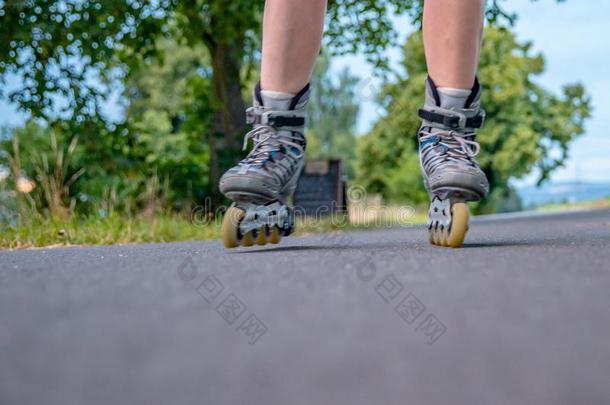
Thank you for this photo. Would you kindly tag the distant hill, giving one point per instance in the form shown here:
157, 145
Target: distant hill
561, 192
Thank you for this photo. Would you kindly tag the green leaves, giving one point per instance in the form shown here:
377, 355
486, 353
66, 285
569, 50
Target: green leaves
333, 111
61, 51
64, 58
527, 126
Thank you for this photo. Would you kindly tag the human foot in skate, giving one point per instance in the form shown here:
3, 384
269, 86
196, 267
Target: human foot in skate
447, 148
262, 184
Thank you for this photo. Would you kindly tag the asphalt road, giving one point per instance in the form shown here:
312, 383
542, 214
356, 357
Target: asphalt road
520, 315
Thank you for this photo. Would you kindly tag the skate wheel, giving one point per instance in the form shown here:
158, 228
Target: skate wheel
459, 225
261, 236
454, 237
274, 235
247, 240
230, 226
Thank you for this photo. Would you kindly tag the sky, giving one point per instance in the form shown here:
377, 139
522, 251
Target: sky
574, 38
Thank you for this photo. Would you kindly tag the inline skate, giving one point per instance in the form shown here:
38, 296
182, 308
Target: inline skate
447, 148
262, 184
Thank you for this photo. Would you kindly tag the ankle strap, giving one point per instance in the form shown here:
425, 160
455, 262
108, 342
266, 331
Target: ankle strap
276, 119
453, 119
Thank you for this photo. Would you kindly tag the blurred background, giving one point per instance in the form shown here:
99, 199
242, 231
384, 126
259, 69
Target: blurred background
118, 117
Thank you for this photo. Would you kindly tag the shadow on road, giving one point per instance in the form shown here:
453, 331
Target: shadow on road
367, 246
311, 247
417, 246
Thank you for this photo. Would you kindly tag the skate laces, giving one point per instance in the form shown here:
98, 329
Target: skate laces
268, 140
448, 146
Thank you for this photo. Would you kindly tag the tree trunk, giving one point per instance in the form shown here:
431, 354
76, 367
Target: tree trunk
229, 121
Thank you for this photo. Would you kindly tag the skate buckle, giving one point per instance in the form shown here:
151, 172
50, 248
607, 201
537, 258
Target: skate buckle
467, 118
260, 116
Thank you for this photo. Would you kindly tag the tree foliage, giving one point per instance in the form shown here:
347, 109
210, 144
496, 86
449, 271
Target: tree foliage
67, 48
332, 114
65, 58
169, 110
526, 127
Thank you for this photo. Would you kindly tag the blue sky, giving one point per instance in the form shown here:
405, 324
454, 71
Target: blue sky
575, 40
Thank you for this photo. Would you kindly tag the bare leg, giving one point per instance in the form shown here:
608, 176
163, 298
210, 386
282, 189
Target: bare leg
292, 31
262, 184
447, 147
452, 39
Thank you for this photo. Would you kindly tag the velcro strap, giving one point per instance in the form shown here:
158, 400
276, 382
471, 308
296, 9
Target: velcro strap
453, 120
283, 121
273, 118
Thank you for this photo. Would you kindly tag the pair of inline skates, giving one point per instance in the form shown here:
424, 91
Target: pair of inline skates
262, 184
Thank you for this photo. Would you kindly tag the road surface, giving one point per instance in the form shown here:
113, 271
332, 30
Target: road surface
520, 315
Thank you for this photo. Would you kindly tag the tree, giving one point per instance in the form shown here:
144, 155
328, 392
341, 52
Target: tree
78, 48
526, 126
169, 109
56, 47
332, 115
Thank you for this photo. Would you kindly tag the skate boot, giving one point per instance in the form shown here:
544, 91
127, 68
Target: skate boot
447, 148
262, 184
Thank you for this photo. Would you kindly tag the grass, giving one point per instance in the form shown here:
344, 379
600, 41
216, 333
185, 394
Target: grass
121, 229
104, 231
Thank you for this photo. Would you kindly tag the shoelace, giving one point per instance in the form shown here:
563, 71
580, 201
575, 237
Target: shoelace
457, 148
267, 140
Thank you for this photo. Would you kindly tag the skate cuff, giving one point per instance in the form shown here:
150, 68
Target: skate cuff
453, 119
276, 119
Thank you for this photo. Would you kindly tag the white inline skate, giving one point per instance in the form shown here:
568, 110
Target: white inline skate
447, 148
262, 184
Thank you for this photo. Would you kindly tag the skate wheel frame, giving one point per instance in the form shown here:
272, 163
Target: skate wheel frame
232, 237
448, 222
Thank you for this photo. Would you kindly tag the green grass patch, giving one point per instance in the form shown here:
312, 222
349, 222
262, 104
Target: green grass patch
104, 231
122, 229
